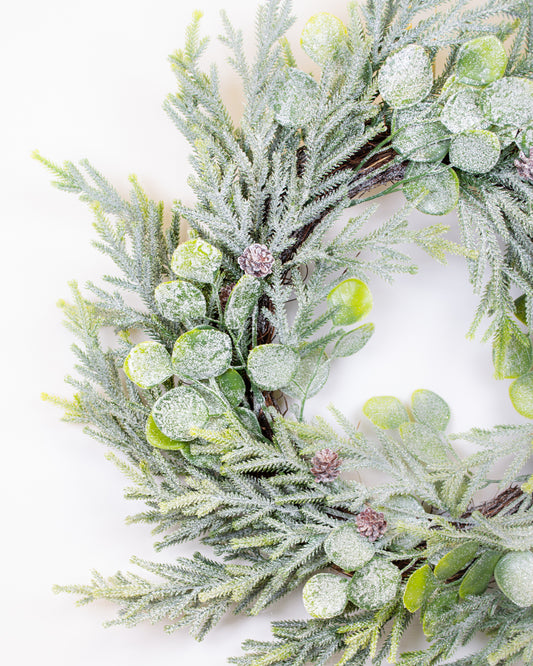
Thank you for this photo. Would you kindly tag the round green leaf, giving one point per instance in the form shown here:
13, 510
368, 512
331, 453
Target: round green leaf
456, 560
438, 186
406, 77
310, 376
520, 305
514, 576
180, 301
294, 97
232, 386
272, 366
512, 355
420, 585
178, 411
481, 61
521, 392
156, 438
202, 353
148, 364
477, 578
242, 300
475, 151
509, 101
386, 412
430, 409
347, 548
353, 341
324, 36
352, 301
324, 595
196, 260
422, 142
462, 111
375, 584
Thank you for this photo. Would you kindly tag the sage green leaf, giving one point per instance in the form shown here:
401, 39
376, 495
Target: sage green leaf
202, 353
310, 376
439, 187
520, 308
476, 580
456, 560
514, 576
475, 151
180, 300
242, 300
324, 595
249, 420
324, 37
347, 548
178, 411
353, 341
512, 354
232, 386
351, 300
430, 409
148, 364
420, 585
386, 412
406, 77
272, 366
374, 584
196, 260
481, 61
521, 393
462, 111
294, 97
422, 142
509, 101
425, 444
156, 438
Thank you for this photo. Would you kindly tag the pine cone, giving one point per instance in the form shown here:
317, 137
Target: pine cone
371, 524
524, 166
256, 261
326, 465
224, 295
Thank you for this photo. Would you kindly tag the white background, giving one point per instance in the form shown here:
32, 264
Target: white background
88, 80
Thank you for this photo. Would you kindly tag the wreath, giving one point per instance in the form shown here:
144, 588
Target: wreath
230, 332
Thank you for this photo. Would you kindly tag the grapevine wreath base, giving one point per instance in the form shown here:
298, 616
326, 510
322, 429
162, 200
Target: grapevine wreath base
206, 415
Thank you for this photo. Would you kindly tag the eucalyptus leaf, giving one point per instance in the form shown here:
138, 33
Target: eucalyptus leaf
242, 300
178, 411
352, 341
272, 366
311, 375
521, 393
351, 300
180, 300
196, 260
425, 443
324, 37
406, 77
148, 364
430, 409
202, 353
386, 412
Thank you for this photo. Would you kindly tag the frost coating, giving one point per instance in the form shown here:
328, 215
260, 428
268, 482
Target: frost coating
346, 548
509, 101
462, 112
232, 386
422, 142
430, 409
196, 260
178, 411
525, 140
521, 392
385, 411
514, 575
351, 300
375, 584
180, 300
148, 364
294, 98
323, 37
156, 438
406, 77
324, 595
481, 61
202, 353
475, 151
242, 300
311, 375
272, 366
353, 341
439, 188
516, 357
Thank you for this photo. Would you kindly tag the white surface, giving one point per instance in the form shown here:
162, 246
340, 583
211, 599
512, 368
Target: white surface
87, 80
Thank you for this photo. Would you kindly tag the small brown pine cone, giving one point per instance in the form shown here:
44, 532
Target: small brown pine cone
224, 295
326, 465
371, 524
524, 166
256, 261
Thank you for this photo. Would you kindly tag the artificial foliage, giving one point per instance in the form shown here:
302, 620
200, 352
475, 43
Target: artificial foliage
205, 415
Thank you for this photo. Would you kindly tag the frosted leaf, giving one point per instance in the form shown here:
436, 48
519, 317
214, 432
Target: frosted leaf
180, 301
156, 438
232, 386
514, 576
420, 585
324, 36
385, 411
196, 260
406, 77
475, 151
513, 357
375, 584
311, 375
294, 97
424, 443
481, 61
430, 409
407, 510
478, 577
242, 300
351, 300
422, 142
353, 341
521, 392
347, 548
148, 364
178, 411
456, 560
525, 140
462, 112
324, 595
412, 115
509, 101
202, 353
439, 187
249, 420
272, 366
